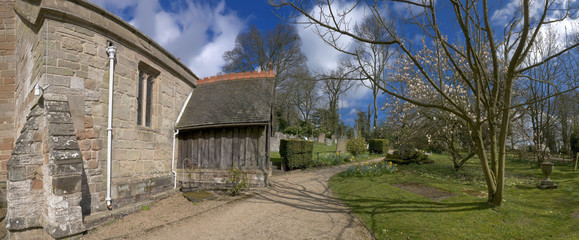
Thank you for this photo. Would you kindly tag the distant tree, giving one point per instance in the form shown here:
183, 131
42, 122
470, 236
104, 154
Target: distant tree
372, 59
334, 85
303, 95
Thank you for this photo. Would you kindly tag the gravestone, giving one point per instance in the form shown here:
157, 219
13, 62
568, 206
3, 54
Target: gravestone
341, 148
322, 138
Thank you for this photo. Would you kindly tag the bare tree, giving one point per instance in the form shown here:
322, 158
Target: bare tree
303, 92
278, 50
481, 62
334, 85
372, 59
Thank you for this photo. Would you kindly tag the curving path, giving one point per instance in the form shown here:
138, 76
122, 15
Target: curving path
297, 206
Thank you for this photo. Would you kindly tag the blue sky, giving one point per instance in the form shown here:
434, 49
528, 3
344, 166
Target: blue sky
200, 31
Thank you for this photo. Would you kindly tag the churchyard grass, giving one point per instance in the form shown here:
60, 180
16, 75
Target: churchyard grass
527, 213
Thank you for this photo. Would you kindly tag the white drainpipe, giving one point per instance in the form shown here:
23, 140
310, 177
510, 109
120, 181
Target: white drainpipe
174, 136
111, 51
173, 160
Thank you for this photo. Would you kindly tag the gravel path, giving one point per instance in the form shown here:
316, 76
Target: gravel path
298, 205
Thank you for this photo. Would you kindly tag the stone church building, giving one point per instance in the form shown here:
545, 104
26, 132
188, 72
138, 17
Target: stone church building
73, 76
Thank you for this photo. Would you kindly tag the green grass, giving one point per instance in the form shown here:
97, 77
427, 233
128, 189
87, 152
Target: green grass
527, 212
274, 157
320, 147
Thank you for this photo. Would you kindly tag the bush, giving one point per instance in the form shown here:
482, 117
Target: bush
296, 153
356, 146
408, 154
378, 146
237, 180
331, 159
371, 169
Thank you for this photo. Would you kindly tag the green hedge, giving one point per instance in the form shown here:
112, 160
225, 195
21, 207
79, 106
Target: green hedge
296, 153
378, 146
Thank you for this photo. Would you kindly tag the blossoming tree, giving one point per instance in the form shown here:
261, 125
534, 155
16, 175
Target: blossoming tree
484, 62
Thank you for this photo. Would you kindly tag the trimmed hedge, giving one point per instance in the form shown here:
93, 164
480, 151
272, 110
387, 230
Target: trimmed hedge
378, 146
296, 153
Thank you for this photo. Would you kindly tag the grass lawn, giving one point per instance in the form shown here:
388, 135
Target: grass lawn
527, 212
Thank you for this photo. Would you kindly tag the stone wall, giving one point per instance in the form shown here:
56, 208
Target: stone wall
7, 89
61, 46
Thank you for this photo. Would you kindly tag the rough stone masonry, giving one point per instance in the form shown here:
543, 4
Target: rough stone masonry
44, 174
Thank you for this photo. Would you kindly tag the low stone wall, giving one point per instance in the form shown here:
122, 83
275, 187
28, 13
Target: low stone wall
216, 178
136, 190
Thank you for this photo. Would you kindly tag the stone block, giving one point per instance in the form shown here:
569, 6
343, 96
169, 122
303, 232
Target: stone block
25, 159
77, 83
68, 64
96, 145
60, 71
16, 174
36, 185
56, 80
65, 156
59, 117
64, 169
84, 145
66, 185
71, 44
92, 164
92, 133
90, 49
90, 83
88, 122
61, 129
63, 142
65, 230
15, 223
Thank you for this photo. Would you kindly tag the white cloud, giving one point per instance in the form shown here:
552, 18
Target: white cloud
322, 56
197, 32
503, 14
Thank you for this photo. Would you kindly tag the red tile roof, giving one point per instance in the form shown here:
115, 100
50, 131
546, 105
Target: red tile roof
233, 76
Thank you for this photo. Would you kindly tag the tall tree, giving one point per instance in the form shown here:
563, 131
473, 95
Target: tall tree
334, 85
303, 93
372, 59
484, 64
279, 50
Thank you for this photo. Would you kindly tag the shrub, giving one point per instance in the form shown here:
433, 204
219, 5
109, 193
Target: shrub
371, 169
296, 153
237, 180
331, 159
356, 146
408, 154
379, 146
